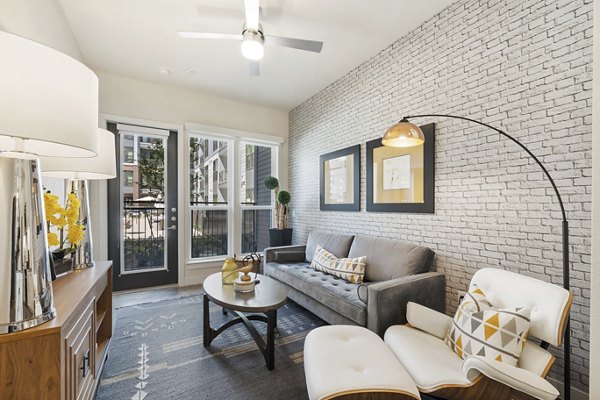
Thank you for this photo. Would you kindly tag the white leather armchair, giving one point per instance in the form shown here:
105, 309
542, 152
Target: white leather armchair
437, 370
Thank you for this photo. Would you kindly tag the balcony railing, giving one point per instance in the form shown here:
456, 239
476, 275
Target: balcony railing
210, 230
209, 233
143, 230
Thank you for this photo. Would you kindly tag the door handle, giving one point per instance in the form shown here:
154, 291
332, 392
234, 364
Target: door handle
172, 227
85, 368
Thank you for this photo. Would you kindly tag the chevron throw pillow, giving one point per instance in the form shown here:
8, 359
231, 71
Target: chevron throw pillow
350, 269
482, 330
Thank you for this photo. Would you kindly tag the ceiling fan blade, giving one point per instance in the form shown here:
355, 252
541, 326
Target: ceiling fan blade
300, 44
254, 68
252, 13
209, 35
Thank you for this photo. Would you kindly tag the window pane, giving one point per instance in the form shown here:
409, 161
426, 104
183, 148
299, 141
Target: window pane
208, 171
209, 233
143, 241
143, 180
255, 230
255, 166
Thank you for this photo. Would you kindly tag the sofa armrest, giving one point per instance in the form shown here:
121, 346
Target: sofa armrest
387, 300
433, 322
519, 379
294, 251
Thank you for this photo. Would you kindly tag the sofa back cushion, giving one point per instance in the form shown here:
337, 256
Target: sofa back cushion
389, 259
336, 244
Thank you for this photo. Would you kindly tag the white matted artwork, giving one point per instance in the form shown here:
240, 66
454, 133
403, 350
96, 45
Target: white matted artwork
337, 180
396, 173
340, 180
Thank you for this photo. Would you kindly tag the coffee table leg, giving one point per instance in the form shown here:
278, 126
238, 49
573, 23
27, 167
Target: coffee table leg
206, 332
270, 350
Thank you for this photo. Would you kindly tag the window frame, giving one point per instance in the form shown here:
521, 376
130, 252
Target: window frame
233, 207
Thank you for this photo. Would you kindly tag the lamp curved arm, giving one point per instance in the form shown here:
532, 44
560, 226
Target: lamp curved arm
565, 242
562, 208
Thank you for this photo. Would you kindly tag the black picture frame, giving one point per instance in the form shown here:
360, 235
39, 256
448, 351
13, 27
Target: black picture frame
355, 205
427, 207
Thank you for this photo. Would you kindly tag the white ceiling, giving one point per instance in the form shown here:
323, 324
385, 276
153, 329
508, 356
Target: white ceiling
137, 37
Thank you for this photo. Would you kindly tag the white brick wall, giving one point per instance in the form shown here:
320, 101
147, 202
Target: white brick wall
524, 66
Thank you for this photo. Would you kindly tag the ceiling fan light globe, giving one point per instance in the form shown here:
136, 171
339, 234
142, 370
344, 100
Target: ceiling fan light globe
252, 45
252, 50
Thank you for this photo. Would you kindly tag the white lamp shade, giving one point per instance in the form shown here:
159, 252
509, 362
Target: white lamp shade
103, 166
48, 100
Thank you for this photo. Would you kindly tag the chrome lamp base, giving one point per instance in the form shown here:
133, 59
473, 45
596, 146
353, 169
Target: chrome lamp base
25, 281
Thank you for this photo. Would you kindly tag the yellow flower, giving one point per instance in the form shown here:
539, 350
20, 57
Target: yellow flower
72, 215
73, 200
75, 234
66, 219
53, 239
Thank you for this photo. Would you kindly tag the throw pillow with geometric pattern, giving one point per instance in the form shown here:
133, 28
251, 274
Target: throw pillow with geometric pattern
480, 329
350, 269
323, 260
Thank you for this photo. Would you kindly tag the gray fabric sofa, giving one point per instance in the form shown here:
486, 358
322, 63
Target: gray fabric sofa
397, 272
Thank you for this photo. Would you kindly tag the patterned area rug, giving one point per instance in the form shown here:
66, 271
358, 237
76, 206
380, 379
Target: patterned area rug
157, 353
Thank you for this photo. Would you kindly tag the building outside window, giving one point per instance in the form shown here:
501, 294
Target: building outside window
212, 208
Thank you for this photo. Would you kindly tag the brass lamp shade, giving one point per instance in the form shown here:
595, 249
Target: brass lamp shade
403, 134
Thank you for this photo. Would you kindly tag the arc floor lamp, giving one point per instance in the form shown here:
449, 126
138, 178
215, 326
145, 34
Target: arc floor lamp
407, 134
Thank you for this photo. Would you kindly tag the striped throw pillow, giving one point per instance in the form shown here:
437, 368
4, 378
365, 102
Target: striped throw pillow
482, 330
350, 269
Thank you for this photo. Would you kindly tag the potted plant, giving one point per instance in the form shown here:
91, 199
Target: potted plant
280, 235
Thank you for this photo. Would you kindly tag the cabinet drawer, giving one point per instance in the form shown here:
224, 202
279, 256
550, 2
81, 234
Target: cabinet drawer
80, 356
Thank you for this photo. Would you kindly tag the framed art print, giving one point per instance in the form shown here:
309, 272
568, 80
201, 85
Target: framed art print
401, 179
340, 180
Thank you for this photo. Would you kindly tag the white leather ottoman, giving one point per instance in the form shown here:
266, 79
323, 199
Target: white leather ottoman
351, 362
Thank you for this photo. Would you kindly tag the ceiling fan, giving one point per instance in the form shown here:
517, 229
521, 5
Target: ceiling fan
253, 39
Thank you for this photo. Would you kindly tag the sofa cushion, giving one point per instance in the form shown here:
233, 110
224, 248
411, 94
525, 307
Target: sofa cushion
337, 244
389, 259
333, 292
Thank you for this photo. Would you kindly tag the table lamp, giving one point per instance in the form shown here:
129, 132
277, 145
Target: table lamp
48, 106
78, 171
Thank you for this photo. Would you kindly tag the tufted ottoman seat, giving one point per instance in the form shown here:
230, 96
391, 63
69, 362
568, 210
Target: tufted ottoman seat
350, 362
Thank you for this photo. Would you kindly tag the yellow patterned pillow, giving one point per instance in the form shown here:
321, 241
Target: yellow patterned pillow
481, 330
350, 269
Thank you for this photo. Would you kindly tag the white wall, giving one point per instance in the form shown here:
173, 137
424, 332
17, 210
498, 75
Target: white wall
39, 20
595, 287
493, 206
124, 99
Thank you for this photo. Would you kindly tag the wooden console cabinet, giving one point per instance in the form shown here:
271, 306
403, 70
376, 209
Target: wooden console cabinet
62, 359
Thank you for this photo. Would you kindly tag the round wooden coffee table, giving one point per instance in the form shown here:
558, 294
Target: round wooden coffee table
261, 304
